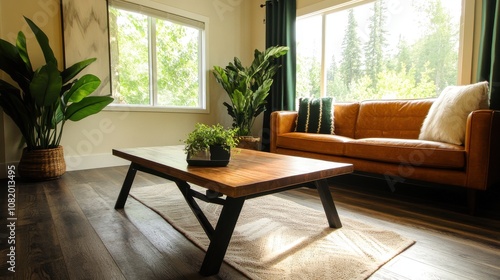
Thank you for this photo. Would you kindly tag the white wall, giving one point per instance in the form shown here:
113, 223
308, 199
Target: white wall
236, 29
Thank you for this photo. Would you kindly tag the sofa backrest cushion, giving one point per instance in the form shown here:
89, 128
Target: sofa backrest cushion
345, 115
391, 118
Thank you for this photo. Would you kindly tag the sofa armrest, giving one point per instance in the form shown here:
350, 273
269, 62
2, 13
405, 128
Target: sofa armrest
281, 122
482, 140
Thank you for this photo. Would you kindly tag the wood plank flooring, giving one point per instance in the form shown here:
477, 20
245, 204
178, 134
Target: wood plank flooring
68, 229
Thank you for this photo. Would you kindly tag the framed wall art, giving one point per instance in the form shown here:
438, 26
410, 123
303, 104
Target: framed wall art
85, 35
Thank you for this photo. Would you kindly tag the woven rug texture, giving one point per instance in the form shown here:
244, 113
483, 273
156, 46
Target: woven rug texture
276, 238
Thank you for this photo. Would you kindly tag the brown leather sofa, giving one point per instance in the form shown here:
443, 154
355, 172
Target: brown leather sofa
381, 137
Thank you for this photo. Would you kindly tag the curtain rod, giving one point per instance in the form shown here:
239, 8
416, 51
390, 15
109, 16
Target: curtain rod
267, 3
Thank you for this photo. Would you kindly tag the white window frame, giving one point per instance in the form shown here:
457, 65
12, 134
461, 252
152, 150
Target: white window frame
466, 44
175, 15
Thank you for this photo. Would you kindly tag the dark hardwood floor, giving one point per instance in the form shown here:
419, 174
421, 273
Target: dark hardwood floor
68, 229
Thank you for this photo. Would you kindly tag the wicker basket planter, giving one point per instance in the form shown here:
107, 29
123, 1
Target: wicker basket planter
41, 165
249, 142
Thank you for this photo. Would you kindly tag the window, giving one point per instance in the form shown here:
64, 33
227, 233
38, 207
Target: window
157, 58
382, 49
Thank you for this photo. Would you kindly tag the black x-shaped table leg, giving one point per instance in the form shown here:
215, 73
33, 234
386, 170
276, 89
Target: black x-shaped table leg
221, 235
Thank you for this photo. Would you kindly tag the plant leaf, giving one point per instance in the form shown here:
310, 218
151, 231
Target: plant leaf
6, 88
23, 50
46, 85
14, 107
230, 110
82, 88
49, 114
10, 61
86, 107
69, 73
58, 115
43, 41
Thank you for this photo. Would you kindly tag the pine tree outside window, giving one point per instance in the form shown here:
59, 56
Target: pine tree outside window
383, 50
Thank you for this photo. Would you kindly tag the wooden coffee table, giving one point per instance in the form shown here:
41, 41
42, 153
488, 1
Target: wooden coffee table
249, 174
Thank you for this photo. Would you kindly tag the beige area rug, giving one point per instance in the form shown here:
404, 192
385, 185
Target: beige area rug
276, 238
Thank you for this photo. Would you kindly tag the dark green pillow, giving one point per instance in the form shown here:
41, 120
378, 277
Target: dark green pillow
315, 115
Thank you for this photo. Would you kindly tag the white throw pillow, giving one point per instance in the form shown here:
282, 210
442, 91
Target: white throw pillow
447, 117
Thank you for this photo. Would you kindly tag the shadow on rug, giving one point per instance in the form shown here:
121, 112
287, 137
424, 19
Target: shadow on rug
276, 238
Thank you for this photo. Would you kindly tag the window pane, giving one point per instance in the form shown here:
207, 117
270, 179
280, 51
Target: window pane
309, 40
156, 57
389, 49
178, 64
129, 57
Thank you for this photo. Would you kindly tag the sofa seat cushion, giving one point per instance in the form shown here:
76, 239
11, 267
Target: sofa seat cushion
314, 143
407, 151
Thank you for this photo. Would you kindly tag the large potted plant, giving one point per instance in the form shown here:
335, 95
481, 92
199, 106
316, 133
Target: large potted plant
210, 145
43, 100
248, 88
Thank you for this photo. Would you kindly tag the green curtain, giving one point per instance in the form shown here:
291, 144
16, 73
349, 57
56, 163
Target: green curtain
489, 51
280, 30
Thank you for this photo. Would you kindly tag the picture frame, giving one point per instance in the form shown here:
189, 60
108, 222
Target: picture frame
86, 35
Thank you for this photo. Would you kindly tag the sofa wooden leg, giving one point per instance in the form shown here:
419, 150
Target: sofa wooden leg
471, 201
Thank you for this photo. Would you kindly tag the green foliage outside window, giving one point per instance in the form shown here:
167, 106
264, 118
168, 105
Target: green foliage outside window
367, 69
175, 81
129, 57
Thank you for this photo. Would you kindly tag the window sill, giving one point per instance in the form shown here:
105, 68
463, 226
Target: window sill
145, 108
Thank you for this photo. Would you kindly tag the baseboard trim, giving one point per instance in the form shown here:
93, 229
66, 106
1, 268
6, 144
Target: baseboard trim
74, 163
84, 162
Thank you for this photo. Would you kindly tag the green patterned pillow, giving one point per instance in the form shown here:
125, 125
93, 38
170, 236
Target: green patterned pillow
315, 115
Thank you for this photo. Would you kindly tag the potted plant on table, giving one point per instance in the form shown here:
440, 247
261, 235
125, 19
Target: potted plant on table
248, 88
210, 145
43, 100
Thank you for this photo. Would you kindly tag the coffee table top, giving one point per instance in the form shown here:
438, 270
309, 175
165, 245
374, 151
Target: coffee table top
248, 172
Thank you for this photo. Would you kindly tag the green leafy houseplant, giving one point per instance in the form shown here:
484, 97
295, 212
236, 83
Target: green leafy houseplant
204, 136
45, 98
248, 87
